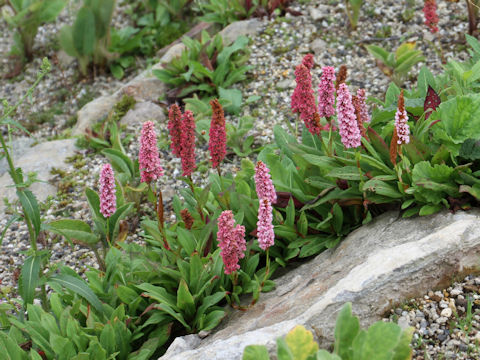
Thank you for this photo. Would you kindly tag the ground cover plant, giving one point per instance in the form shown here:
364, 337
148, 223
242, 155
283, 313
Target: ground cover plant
416, 150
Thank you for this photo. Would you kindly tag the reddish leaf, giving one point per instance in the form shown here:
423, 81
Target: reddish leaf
432, 100
284, 197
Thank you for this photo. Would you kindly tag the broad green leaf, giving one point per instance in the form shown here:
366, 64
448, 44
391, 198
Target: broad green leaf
255, 352
346, 329
74, 230
78, 286
30, 276
185, 300
83, 31
459, 120
30, 206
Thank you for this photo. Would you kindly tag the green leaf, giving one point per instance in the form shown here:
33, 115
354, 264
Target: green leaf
255, 352
430, 209
346, 329
30, 278
346, 173
78, 286
114, 220
10, 221
186, 240
120, 162
325, 355
337, 218
74, 230
459, 120
30, 206
10, 349
381, 188
185, 299
234, 97
83, 31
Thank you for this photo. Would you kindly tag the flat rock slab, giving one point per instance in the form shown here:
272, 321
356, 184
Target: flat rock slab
375, 267
41, 159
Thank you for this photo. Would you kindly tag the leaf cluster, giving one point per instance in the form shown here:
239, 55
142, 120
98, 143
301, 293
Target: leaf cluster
380, 341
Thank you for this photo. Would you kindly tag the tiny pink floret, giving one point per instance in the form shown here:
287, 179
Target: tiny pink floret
403, 130
264, 184
266, 236
149, 160
363, 105
347, 121
108, 201
231, 241
326, 92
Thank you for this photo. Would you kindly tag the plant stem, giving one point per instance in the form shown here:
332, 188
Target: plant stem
224, 190
199, 209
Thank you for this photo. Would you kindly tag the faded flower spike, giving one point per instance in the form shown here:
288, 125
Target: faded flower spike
108, 201
430, 13
363, 109
401, 119
231, 240
217, 145
266, 236
187, 148
263, 183
326, 92
148, 158
174, 127
347, 121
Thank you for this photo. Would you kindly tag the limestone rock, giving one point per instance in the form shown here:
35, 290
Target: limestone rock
93, 112
318, 46
238, 28
143, 111
319, 13
40, 158
375, 267
18, 147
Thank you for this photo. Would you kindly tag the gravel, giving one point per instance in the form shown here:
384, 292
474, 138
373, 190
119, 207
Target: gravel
275, 53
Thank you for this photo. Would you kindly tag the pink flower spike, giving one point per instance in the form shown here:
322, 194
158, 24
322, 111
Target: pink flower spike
108, 201
263, 183
430, 13
148, 158
347, 121
303, 100
401, 122
174, 125
326, 92
231, 240
217, 144
363, 106
266, 236
187, 148
308, 61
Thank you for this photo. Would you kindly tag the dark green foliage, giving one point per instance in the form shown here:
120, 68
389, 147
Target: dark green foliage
206, 67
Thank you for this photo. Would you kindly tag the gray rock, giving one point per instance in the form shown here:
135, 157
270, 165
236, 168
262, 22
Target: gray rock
286, 84
319, 13
419, 253
143, 111
64, 60
17, 148
238, 28
318, 46
182, 343
93, 112
41, 159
